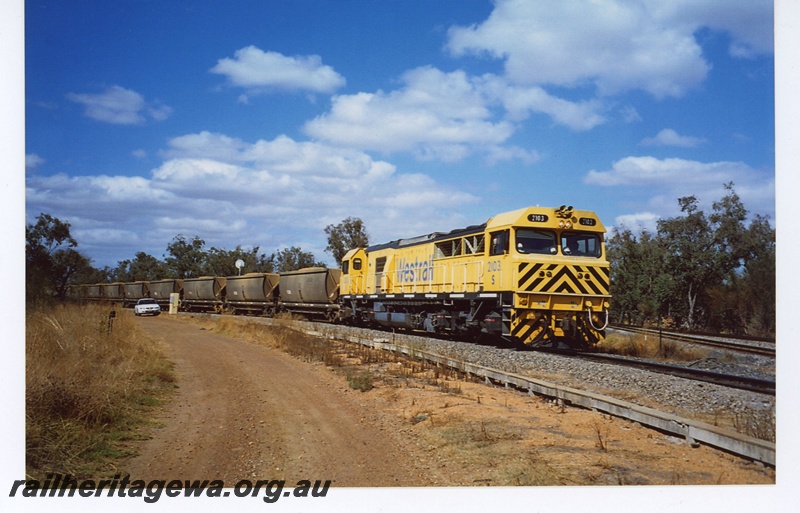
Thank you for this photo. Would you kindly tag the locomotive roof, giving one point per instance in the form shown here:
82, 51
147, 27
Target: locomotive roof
431, 237
507, 218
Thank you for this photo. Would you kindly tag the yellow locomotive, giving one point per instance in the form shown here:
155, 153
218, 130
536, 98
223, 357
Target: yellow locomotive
538, 276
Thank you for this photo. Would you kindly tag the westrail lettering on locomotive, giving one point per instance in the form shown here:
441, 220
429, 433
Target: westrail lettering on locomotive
416, 271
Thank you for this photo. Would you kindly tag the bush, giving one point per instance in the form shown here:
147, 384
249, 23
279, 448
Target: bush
86, 386
361, 381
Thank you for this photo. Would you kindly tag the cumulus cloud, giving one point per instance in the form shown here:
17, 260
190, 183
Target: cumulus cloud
749, 25
521, 101
616, 46
32, 161
255, 69
270, 193
638, 222
649, 171
120, 106
665, 180
435, 115
669, 137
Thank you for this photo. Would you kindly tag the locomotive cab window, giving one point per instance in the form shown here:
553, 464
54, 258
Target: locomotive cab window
538, 242
580, 244
499, 243
356, 264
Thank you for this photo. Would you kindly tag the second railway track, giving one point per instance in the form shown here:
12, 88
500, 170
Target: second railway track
756, 346
681, 402
751, 384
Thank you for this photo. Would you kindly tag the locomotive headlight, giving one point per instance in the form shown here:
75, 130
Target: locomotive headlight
561, 224
569, 225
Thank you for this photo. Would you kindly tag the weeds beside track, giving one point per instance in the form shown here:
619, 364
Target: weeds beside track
90, 379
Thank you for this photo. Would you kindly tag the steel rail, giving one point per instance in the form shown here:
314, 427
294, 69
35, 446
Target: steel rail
762, 386
691, 430
701, 340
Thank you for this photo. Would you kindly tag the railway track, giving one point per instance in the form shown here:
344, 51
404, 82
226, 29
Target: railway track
692, 430
756, 346
747, 383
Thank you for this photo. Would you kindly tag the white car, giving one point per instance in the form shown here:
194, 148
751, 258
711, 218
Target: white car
146, 306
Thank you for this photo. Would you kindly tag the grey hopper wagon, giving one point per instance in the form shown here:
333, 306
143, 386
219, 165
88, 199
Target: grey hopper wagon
312, 291
136, 291
160, 290
206, 293
252, 292
114, 292
93, 292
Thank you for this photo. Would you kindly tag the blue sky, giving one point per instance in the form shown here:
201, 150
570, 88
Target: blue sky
260, 123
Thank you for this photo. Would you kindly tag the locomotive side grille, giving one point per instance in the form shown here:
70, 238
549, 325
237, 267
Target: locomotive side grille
560, 278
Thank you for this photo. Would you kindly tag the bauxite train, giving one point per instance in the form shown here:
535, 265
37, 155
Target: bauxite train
536, 276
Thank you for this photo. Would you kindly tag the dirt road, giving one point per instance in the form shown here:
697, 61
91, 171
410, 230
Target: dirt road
244, 411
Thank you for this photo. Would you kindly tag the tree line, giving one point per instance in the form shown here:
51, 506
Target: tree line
698, 270
53, 262
703, 271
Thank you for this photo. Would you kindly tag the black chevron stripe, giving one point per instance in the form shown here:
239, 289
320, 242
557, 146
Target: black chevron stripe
564, 280
529, 274
524, 330
602, 277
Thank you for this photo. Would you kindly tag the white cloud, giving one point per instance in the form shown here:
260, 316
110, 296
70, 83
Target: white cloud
749, 25
650, 171
436, 115
638, 222
616, 46
255, 69
270, 193
521, 101
665, 180
120, 106
32, 161
669, 137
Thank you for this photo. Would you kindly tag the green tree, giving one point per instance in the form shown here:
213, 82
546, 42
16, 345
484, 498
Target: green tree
92, 275
185, 258
291, 259
641, 284
759, 294
703, 250
143, 267
50, 259
222, 262
347, 235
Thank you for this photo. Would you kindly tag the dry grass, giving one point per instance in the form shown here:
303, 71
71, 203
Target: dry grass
649, 346
485, 436
89, 384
